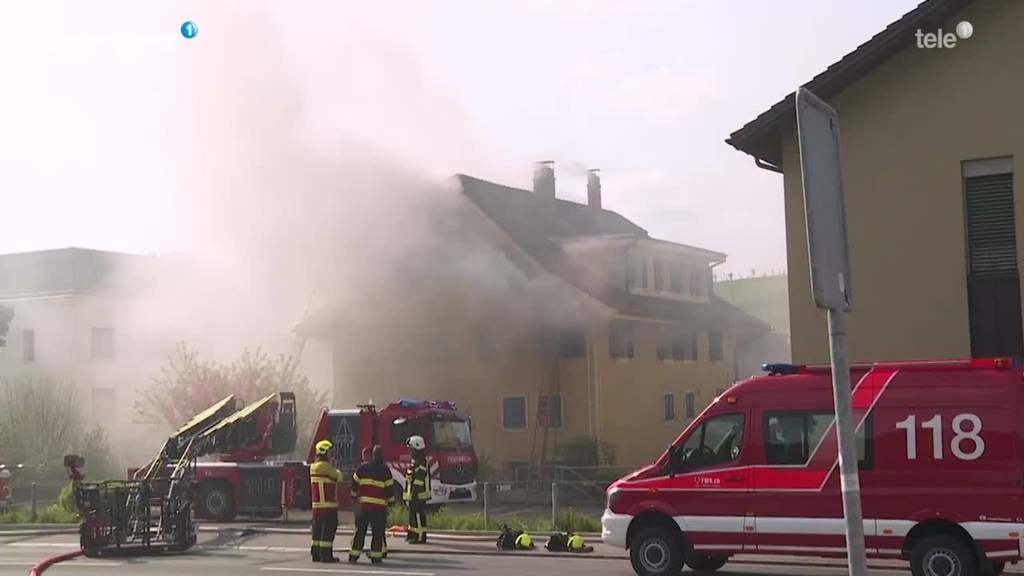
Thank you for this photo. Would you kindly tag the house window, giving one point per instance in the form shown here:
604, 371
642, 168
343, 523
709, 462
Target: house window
513, 412
697, 282
659, 274
683, 347
572, 344
102, 343
636, 271
549, 411
28, 345
993, 281
675, 278
715, 346
620, 340
670, 407
691, 405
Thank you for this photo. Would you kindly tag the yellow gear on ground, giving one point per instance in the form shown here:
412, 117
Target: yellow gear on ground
524, 541
576, 542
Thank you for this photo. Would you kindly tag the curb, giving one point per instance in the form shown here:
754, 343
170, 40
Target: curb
453, 535
4, 528
56, 532
44, 564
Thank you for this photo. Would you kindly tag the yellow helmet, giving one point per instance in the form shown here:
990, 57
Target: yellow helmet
323, 447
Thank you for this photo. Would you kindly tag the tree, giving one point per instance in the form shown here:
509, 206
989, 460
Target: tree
188, 384
6, 315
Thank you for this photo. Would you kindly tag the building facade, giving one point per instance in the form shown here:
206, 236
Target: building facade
765, 297
929, 145
597, 331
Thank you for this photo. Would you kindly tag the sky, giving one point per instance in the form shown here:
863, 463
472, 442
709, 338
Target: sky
100, 103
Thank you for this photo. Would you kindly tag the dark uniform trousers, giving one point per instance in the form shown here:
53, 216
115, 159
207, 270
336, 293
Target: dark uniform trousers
325, 526
372, 487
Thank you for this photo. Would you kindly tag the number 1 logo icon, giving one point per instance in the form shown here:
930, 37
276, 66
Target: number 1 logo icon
189, 29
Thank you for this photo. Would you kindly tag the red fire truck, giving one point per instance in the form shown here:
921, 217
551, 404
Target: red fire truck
450, 456
941, 447
244, 482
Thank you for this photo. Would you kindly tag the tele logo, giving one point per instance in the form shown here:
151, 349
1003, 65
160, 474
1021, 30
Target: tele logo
940, 39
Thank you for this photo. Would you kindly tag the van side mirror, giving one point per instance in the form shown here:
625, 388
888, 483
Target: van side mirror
673, 460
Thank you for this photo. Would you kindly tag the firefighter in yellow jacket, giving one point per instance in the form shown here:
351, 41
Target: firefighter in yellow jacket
324, 481
417, 490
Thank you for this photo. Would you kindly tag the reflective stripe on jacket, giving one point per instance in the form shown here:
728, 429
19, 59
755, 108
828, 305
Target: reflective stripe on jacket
323, 483
417, 483
372, 485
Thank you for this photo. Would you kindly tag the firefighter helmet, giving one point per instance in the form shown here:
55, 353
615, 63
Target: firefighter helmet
416, 443
323, 447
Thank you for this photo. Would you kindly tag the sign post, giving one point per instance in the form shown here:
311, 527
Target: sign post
818, 133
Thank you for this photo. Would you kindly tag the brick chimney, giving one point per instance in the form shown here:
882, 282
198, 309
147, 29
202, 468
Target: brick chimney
594, 189
544, 179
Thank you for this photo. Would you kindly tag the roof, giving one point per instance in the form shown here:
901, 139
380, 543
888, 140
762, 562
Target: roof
528, 219
541, 232
761, 136
67, 271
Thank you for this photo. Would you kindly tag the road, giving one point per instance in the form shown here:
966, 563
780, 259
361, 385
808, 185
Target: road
276, 555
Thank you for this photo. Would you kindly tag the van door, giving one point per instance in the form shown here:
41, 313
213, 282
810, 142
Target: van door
713, 482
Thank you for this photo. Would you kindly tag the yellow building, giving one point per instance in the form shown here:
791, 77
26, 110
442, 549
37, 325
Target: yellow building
929, 140
560, 320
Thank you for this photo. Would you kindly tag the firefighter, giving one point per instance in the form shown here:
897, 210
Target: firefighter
366, 456
417, 490
372, 491
324, 480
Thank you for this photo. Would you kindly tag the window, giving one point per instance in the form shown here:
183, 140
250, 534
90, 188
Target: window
697, 282
675, 278
670, 407
572, 344
403, 428
684, 347
691, 405
659, 274
549, 411
719, 440
28, 345
715, 346
513, 412
791, 437
993, 282
450, 435
102, 343
620, 340
636, 271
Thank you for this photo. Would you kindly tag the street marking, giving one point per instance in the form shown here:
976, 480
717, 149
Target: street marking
341, 571
85, 564
44, 544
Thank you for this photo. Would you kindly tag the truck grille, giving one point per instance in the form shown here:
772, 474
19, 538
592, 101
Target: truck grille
458, 473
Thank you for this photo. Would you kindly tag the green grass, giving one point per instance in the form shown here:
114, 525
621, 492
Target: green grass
52, 514
569, 521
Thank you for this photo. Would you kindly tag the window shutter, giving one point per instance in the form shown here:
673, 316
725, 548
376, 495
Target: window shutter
991, 237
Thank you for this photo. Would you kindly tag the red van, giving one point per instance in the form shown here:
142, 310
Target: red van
942, 483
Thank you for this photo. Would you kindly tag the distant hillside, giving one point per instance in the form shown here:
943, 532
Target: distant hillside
765, 297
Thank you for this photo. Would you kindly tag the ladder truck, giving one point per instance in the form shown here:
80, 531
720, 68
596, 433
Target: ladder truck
152, 511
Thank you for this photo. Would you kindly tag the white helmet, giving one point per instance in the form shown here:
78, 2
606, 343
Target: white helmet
416, 443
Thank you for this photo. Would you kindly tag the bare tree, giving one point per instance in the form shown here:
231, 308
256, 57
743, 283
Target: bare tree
187, 385
39, 421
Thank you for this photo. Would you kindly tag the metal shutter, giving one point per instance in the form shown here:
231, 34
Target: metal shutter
991, 237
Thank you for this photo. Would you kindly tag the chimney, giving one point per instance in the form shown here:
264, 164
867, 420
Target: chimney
544, 179
594, 189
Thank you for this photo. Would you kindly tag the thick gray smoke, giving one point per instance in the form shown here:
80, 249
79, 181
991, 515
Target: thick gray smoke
341, 211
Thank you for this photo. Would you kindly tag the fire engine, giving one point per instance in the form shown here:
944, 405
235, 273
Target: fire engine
446, 430
245, 482
941, 455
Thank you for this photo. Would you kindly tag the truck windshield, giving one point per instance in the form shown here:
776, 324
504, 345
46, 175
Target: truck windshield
450, 435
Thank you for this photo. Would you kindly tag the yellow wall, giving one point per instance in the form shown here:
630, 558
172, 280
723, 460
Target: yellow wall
905, 130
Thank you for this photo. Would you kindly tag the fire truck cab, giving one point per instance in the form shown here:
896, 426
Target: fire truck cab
446, 430
941, 454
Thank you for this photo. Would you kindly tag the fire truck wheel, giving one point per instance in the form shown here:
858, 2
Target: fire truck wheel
216, 501
943, 555
706, 563
656, 551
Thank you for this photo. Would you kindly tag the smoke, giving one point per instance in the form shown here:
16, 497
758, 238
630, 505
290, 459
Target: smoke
340, 207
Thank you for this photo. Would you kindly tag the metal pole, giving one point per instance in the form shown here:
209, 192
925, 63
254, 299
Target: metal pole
847, 442
487, 510
33, 495
554, 505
